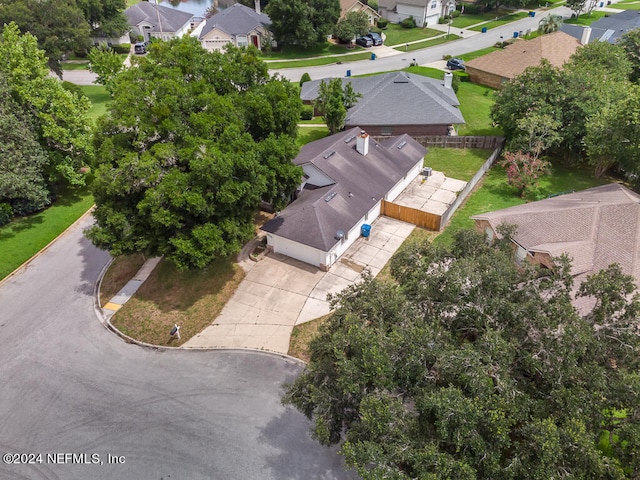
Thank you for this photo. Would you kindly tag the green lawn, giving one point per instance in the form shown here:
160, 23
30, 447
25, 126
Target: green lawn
291, 53
396, 35
501, 21
75, 65
626, 5
496, 194
586, 20
478, 53
475, 105
99, 99
310, 134
312, 62
465, 20
24, 237
458, 163
314, 121
427, 43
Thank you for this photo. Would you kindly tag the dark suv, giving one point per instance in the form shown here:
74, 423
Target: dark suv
140, 48
375, 38
455, 64
364, 42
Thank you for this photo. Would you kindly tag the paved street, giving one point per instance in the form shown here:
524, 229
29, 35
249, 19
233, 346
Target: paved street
70, 386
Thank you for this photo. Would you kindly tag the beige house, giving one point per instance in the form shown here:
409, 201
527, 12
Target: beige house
238, 25
594, 227
347, 6
500, 66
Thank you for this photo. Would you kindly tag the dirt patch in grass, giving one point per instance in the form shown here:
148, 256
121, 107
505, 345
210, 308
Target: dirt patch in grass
191, 299
261, 218
119, 273
301, 336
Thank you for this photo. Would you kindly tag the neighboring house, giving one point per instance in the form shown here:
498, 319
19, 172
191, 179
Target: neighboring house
398, 102
500, 66
238, 25
346, 177
357, 6
424, 12
151, 20
607, 29
595, 227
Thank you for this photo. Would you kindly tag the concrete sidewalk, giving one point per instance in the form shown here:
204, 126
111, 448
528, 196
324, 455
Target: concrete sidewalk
132, 286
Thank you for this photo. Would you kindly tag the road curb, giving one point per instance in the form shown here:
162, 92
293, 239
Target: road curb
106, 323
43, 249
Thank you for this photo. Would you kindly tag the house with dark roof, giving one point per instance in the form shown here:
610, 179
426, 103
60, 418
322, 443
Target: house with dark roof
424, 12
500, 66
347, 6
156, 21
346, 177
607, 29
238, 25
398, 102
595, 227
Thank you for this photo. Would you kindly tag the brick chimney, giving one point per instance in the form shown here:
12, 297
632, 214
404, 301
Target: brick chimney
362, 143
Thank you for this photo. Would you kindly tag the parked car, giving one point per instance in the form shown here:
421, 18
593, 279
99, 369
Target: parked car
364, 42
140, 48
375, 37
455, 64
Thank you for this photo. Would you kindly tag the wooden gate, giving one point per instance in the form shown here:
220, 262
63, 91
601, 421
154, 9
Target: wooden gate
427, 220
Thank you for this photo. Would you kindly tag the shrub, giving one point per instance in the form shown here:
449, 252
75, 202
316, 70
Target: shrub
462, 76
446, 57
455, 83
6, 213
382, 23
306, 113
305, 78
455, 14
122, 48
408, 22
442, 20
470, 8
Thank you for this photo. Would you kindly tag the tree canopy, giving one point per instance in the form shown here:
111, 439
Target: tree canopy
352, 25
305, 23
595, 77
192, 143
468, 367
57, 116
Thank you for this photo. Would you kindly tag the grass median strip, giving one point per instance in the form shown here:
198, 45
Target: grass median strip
314, 62
500, 21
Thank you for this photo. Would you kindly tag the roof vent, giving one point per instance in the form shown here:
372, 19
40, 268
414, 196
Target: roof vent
349, 139
339, 235
328, 154
329, 197
401, 144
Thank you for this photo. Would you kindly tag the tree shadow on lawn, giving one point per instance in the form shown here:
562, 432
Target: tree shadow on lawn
19, 225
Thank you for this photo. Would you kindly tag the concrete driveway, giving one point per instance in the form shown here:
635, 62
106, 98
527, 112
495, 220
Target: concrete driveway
280, 292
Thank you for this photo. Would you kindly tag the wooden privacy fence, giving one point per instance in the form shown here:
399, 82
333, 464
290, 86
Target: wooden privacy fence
445, 141
427, 220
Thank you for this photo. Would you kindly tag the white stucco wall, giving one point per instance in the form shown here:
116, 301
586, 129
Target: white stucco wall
404, 182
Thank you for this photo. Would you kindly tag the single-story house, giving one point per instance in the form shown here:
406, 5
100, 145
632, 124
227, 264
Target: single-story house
357, 6
151, 20
238, 25
346, 177
398, 102
607, 29
595, 227
500, 66
424, 12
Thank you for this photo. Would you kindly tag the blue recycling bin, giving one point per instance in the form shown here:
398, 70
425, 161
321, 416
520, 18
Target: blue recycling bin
365, 230
484, 29
348, 73
532, 13
515, 34
373, 56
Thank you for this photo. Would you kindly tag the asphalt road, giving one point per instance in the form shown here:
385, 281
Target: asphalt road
69, 386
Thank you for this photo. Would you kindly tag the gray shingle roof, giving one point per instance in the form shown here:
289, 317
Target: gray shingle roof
236, 20
596, 227
397, 98
618, 24
171, 20
313, 221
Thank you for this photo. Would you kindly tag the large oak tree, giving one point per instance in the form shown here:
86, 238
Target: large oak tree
467, 367
192, 143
